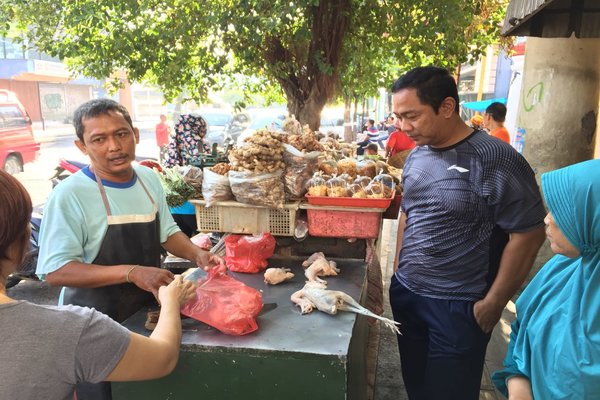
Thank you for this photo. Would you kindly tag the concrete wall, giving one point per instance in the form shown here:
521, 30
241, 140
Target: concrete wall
558, 109
559, 101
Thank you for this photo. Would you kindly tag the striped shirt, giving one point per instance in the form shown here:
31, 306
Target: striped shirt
461, 202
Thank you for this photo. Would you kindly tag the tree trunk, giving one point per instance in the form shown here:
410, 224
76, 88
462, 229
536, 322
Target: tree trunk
307, 111
309, 86
355, 119
348, 134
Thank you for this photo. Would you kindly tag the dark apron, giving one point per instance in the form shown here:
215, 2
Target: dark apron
129, 239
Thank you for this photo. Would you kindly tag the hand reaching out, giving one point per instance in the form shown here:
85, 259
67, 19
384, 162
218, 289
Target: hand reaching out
150, 279
178, 290
207, 260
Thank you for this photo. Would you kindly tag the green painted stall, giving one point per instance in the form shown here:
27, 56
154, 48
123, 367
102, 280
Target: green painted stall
291, 356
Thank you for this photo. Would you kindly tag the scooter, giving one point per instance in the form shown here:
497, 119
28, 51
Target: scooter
67, 167
64, 169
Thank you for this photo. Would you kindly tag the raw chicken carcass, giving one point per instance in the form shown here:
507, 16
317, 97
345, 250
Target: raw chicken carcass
273, 276
321, 267
314, 257
314, 295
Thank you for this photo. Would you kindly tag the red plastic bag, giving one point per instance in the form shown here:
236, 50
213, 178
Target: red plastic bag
225, 304
244, 253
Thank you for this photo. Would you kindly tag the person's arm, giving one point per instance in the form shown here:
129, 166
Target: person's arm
77, 274
400, 236
515, 264
519, 388
180, 245
156, 356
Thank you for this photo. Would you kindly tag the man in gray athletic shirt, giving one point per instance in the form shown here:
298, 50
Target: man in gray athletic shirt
471, 226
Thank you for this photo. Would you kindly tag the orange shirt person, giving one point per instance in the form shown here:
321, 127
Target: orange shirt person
493, 120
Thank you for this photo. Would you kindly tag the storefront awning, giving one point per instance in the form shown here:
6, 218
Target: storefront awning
480, 106
552, 18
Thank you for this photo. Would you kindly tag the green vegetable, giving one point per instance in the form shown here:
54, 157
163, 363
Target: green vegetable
177, 191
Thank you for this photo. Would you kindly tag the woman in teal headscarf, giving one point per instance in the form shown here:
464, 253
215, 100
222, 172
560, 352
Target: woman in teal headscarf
554, 350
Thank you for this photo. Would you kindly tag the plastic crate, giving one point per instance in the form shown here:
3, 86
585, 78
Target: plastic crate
234, 217
349, 201
341, 223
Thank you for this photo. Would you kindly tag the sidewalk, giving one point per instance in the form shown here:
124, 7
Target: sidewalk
388, 381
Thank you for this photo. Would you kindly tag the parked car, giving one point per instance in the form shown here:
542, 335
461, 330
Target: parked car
17, 144
217, 121
335, 125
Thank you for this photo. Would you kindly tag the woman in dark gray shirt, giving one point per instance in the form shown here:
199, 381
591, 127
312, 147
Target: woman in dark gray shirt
46, 350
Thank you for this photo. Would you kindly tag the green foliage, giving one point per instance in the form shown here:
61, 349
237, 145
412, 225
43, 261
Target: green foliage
308, 51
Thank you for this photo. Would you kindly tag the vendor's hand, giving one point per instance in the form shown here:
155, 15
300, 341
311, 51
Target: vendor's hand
487, 314
179, 290
150, 279
207, 260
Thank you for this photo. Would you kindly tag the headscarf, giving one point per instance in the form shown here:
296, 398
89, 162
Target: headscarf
187, 142
555, 341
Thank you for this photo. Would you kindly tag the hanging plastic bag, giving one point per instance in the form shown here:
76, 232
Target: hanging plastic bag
248, 253
225, 304
215, 187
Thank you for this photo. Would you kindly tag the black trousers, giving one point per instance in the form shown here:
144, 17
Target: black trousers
442, 349
187, 223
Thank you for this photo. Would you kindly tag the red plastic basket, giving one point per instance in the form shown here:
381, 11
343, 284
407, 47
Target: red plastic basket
343, 224
349, 201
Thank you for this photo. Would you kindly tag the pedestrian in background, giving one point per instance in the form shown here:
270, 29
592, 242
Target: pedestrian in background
162, 136
46, 350
188, 142
476, 121
471, 226
398, 146
554, 349
493, 121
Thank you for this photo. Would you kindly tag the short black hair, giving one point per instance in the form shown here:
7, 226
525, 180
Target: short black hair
95, 108
433, 85
497, 111
372, 121
371, 146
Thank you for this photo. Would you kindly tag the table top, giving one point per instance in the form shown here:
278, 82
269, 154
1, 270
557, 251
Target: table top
281, 326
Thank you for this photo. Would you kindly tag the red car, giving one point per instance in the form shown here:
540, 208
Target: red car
17, 144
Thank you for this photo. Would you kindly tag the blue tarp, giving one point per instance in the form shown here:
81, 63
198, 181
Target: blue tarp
482, 105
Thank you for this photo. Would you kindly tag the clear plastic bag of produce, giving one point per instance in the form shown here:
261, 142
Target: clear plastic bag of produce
258, 188
299, 169
225, 304
337, 187
215, 187
193, 176
366, 168
248, 253
317, 186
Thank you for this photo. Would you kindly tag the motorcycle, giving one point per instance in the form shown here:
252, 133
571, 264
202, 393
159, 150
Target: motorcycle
64, 169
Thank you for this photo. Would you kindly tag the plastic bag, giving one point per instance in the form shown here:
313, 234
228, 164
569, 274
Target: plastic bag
256, 188
193, 177
248, 253
299, 168
202, 240
215, 187
225, 304
317, 186
337, 187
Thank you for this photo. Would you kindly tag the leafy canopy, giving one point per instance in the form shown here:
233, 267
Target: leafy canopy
309, 50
